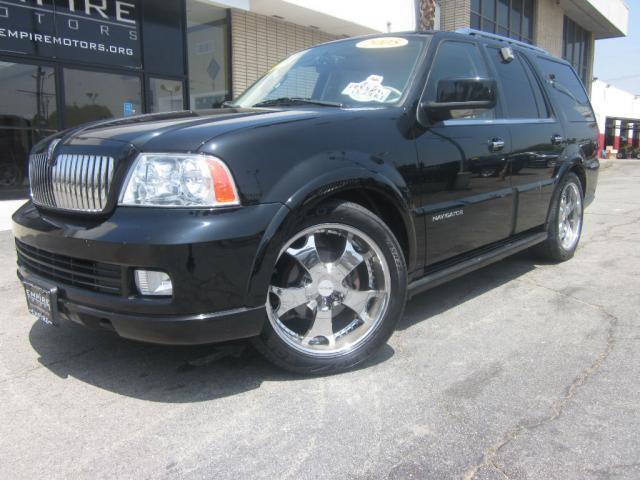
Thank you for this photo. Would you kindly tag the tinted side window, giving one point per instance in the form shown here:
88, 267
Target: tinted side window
516, 86
567, 91
458, 60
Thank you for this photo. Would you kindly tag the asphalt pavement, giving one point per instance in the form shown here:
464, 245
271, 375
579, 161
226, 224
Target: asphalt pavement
521, 370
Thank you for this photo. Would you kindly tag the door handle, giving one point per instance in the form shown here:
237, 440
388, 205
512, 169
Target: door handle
496, 144
557, 139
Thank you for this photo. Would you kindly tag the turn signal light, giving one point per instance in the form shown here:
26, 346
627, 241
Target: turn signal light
223, 185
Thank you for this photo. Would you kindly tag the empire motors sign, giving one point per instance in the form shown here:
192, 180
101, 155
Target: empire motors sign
94, 31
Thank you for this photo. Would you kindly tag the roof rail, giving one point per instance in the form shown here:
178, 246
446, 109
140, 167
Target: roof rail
500, 38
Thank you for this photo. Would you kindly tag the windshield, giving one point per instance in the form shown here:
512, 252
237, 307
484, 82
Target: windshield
373, 71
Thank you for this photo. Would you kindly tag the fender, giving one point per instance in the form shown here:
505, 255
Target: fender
574, 157
310, 194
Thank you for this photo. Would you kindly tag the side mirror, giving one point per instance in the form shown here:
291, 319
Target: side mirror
461, 94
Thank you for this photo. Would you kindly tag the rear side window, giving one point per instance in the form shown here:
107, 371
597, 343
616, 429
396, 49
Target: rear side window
567, 90
521, 91
455, 60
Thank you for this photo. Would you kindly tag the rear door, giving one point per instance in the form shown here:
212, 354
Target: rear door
537, 136
465, 191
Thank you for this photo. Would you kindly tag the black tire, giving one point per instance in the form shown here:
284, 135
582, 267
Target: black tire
352, 215
11, 176
552, 249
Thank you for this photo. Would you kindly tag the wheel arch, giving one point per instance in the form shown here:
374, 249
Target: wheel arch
575, 166
371, 191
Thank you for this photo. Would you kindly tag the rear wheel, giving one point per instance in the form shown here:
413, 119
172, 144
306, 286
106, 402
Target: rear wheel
338, 289
565, 221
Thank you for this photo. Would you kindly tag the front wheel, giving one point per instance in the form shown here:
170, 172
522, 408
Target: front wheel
565, 221
337, 291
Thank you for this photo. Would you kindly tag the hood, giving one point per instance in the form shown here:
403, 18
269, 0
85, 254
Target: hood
182, 131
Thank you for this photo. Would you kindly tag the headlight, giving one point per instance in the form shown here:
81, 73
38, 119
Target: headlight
179, 180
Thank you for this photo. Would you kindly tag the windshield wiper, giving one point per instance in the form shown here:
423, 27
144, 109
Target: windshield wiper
297, 100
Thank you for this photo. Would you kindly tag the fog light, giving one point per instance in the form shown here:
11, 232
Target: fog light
150, 282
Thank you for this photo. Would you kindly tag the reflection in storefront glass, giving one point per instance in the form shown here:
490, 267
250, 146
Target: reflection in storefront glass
207, 49
165, 95
27, 114
91, 96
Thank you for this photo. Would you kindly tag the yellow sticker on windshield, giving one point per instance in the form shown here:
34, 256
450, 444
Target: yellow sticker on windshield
383, 42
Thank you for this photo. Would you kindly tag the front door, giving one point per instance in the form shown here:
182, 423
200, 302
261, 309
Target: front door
465, 193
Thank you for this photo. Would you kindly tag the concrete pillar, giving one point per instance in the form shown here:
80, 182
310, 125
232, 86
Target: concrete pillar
455, 14
549, 26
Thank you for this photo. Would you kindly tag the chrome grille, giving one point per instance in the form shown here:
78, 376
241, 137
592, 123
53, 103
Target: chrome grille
75, 182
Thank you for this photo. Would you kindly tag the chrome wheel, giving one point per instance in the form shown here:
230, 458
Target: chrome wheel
330, 290
569, 216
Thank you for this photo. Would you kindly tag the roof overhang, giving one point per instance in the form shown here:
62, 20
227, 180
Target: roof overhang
605, 18
299, 13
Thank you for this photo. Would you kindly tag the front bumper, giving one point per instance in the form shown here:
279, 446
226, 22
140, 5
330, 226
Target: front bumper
210, 256
167, 330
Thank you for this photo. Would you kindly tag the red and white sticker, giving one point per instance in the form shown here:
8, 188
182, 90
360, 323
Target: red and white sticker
371, 90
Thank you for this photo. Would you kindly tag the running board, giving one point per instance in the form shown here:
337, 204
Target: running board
486, 257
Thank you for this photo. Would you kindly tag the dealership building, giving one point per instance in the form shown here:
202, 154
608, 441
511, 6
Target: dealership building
66, 62
618, 114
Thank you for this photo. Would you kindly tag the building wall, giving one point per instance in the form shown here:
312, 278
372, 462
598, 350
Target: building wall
612, 102
548, 26
455, 14
260, 42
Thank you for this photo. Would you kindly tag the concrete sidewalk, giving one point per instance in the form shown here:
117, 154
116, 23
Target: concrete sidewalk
7, 207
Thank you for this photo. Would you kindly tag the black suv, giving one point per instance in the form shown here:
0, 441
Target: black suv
304, 213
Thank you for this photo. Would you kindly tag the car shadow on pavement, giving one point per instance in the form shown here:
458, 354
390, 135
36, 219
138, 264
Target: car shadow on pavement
159, 373
200, 373
431, 303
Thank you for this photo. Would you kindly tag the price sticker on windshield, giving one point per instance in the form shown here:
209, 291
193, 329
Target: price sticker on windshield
382, 42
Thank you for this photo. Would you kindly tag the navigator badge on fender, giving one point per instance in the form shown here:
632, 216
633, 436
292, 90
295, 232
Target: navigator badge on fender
447, 215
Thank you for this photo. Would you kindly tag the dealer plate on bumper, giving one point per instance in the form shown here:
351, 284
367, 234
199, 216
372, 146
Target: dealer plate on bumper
42, 301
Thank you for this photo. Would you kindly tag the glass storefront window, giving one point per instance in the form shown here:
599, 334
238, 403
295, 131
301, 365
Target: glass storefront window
207, 46
27, 114
511, 18
91, 95
28, 96
575, 48
165, 95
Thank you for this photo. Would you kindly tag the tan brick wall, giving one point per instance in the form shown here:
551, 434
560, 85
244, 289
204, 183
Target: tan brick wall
259, 42
454, 14
548, 26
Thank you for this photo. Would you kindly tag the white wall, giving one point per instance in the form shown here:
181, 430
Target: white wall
609, 101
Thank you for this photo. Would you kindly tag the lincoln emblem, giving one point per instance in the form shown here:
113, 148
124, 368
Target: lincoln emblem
51, 159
